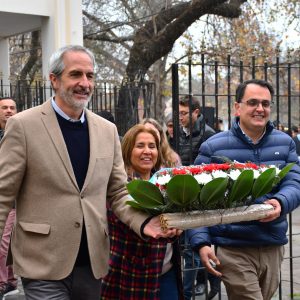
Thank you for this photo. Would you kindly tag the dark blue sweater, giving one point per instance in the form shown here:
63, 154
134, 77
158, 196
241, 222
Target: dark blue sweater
76, 136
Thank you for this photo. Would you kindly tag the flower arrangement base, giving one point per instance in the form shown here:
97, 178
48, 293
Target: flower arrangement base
193, 219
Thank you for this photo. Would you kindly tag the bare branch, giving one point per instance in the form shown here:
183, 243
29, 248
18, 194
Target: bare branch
153, 42
106, 38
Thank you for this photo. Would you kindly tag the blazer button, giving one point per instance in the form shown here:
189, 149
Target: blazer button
77, 224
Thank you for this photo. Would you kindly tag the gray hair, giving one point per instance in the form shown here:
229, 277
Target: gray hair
56, 63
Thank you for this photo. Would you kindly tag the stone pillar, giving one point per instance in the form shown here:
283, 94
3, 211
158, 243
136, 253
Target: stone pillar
62, 27
4, 65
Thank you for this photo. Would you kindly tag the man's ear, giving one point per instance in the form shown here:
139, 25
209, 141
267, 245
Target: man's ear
53, 80
197, 111
237, 106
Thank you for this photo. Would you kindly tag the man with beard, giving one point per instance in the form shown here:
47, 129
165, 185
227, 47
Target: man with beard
62, 164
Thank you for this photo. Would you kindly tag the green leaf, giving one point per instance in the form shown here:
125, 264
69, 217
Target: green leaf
264, 183
213, 192
241, 187
285, 170
134, 204
154, 212
145, 193
183, 189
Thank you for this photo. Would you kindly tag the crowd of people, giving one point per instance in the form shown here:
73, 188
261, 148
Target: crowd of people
63, 176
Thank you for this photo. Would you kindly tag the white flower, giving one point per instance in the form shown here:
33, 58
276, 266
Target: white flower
277, 170
163, 180
203, 178
256, 173
219, 173
234, 174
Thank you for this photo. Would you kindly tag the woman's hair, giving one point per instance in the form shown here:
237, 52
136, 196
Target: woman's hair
169, 156
128, 142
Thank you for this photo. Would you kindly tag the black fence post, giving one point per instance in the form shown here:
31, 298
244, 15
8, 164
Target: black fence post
175, 105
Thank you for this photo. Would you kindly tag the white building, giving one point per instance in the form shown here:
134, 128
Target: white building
60, 22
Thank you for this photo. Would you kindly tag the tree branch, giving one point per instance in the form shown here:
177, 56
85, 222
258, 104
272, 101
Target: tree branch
153, 42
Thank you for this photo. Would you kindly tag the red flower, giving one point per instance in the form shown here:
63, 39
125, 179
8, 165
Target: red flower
179, 172
195, 170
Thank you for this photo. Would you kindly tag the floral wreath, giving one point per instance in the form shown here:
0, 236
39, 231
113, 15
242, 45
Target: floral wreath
204, 187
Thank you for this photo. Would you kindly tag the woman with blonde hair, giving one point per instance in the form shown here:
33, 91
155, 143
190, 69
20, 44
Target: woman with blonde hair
140, 268
170, 158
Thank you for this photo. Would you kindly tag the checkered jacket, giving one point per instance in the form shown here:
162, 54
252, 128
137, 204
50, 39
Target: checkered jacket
135, 264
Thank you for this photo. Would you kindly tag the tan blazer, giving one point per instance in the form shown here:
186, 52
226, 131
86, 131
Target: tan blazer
35, 169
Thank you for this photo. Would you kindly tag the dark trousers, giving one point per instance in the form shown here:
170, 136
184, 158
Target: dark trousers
79, 285
168, 286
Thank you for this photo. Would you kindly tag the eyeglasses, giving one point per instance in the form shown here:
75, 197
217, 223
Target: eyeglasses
183, 113
256, 103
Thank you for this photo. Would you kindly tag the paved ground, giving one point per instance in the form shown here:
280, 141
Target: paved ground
286, 280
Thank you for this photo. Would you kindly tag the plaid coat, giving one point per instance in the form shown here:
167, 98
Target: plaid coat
135, 265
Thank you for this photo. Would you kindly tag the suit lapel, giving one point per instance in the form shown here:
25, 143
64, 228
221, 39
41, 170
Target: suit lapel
94, 144
50, 121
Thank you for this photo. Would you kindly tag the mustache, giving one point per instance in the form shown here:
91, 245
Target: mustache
82, 90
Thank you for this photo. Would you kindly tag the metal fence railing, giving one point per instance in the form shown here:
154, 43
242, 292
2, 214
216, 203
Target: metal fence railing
128, 103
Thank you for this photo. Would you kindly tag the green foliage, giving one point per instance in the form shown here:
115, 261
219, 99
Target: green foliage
182, 190
145, 193
264, 183
213, 193
285, 170
241, 188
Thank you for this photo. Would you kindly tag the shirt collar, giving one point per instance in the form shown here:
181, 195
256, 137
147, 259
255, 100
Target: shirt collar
249, 139
65, 116
186, 130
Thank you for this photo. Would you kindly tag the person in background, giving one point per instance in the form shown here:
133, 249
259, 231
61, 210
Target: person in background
8, 281
193, 132
249, 254
195, 129
170, 130
294, 131
62, 165
296, 139
220, 125
140, 268
170, 158
106, 115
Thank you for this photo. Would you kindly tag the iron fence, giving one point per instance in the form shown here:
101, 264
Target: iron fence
128, 103
214, 83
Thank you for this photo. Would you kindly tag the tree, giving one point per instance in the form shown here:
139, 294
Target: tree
152, 40
155, 38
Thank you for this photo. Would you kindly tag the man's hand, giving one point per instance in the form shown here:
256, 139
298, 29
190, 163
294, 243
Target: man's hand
273, 214
153, 229
207, 256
